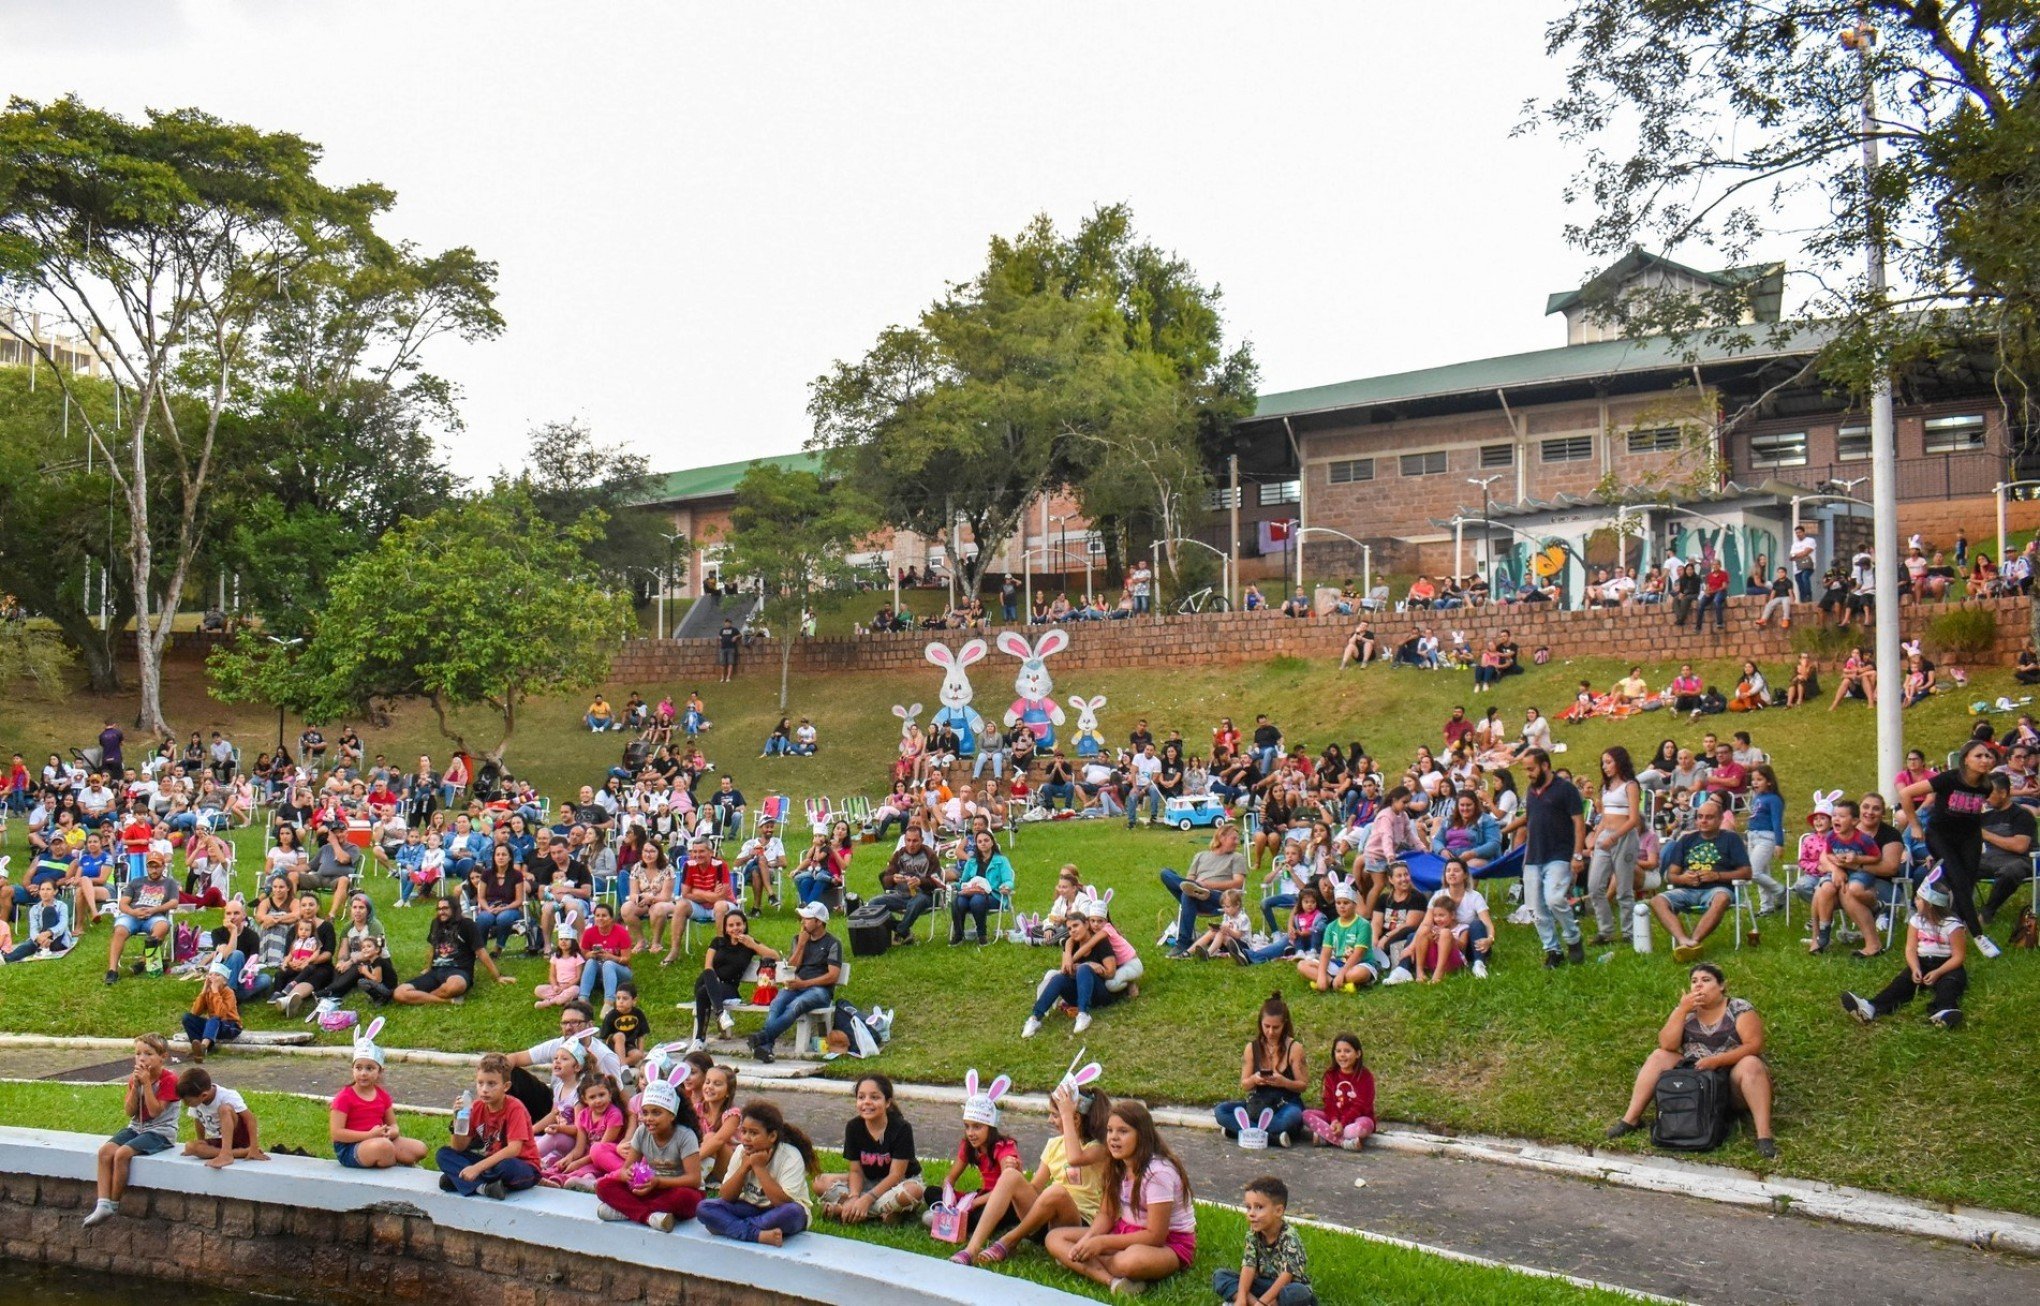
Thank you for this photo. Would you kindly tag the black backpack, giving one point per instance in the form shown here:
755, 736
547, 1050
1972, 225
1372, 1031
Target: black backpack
1692, 1110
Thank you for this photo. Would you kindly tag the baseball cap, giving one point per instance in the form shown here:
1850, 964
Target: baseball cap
815, 911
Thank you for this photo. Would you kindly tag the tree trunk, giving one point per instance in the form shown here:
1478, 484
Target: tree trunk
786, 660
95, 647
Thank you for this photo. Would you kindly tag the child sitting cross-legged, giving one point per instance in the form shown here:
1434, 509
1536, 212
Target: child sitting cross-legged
1347, 1116
1936, 946
1273, 1268
215, 1015
363, 1123
491, 1151
596, 1126
764, 1197
1146, 1228
658, 1182
1231, 935
884, 1176
227, 1131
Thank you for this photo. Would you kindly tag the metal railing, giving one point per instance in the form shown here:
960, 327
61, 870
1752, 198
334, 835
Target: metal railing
1938, 476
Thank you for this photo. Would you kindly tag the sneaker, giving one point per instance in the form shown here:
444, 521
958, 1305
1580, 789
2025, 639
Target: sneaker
1350, 1144
1553, 960
445, 1182
494, 1190
1398, 976
113, 977
102, 1211
1179, 954
660, 1220
1128, 1287
1082, 1022
1479, 969
763, 1053
1031, 1028
1576, 953
725, 1023
1767, 1148
1281, 1139
1946, 1018
1883, 921
1986, 947
904, 940
604, 1211
1857, 1007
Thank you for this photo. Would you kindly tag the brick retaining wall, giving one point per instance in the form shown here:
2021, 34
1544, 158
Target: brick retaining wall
1643, 633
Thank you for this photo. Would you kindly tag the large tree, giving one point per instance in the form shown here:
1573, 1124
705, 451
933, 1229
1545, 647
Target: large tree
573, 479
173, 244
482, 604
790, 531
1025, 380
1731, 130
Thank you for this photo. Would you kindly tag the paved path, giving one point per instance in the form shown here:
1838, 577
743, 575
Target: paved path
1680, 1247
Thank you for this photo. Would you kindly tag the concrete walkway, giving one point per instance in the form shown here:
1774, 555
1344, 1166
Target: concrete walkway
1675, 1246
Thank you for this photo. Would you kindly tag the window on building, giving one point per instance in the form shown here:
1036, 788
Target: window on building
1852, 444
1660, 439
1274, 492
1095, 546
1424, 464
1498, 455
1221, 499
1963, 434
1349, 470
1570, 449
1779, 449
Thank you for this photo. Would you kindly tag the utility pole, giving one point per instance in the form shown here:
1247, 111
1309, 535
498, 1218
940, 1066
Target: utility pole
1233, 497
1883, 451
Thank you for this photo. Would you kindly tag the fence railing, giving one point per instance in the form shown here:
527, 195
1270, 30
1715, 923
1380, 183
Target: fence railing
1940, 476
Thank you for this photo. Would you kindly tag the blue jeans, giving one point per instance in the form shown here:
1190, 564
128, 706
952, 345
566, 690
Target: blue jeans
1051, 792
977, 906
1226, 1283
1191, 908
1270, 905
1084, 988
1140, 605
813, 887
495, 926
211, 1029
1010, 612
1266, 758
788, 1007
743, 1222
996, 756
608, 973
513, 1174
1804, 579
778, 746
1546, 888
1150, 798
1288, 1120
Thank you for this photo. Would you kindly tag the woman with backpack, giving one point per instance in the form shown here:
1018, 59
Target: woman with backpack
1709, 1030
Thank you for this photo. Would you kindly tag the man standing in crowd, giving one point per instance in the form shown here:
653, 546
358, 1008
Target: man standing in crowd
1555, 848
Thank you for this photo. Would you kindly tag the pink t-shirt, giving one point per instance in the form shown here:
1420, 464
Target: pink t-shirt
616, 942
1122, 951
597, 1127
362, 1114
1162, 1183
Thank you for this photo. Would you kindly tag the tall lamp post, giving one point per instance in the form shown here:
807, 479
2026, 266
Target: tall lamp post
1486, 527
1366, 556
281, 643
666, 576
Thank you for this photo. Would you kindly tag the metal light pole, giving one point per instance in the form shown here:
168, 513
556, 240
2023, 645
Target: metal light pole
1486, 527
1883, 444
281, 644
666, 577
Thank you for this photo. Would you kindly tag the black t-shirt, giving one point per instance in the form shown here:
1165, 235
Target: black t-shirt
818, 957
1267, 737
875, 1156
248, 943
2016, 819
1508, 651
1958, 809
632, 1025
1096, 954
729, 959
1171, 779
1140, 739
499, 888
454, 945
727, 635
1392, 910
1550, 812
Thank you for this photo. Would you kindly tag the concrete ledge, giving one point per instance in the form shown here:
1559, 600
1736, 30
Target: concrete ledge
812, 1267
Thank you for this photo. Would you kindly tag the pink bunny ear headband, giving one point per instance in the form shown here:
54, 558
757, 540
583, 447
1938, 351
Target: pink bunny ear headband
1076, 1078
982, 1108
665, 1093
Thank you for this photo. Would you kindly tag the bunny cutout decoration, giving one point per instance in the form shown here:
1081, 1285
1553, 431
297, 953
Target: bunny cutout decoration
1088, 741
957, 713
364, 1042
982, 1108
1253, 1134
1035, 705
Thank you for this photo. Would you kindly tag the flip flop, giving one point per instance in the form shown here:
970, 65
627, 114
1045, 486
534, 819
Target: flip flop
992, 1253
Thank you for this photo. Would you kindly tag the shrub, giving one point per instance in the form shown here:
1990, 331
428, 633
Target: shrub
1826, 643
1966, 632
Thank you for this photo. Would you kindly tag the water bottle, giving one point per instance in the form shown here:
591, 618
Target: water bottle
1639, 927
462, 1112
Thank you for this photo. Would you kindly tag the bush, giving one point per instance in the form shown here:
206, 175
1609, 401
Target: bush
1826, 643
1965, 632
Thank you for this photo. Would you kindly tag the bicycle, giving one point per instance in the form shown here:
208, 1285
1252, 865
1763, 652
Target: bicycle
1204, 600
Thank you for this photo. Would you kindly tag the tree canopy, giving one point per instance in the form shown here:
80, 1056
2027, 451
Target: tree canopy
482, 604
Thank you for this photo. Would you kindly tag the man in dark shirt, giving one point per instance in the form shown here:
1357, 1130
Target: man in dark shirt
726, 648
1700, 874
1511, 655
1457, 727
727, 802
1554, 848
110, 740
564, 886
2008, 834
1058, 781
1141, 736
1267, 744
816, 959
908, 883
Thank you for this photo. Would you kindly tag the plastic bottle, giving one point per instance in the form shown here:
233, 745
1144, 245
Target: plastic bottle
463, 1113
1639, 928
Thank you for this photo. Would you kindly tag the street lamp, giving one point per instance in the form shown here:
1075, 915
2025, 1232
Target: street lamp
281, 643
666, 576
1063, 550
1366, 556
1486, 527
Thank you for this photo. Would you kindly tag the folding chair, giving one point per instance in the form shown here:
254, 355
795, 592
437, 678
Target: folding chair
818, 814
774, 808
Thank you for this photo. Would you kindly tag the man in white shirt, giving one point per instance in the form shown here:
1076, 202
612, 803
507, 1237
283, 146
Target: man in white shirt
956, 813
1621, 587
1674, 566
760, 860
1144, 768
1804, 547
96, 800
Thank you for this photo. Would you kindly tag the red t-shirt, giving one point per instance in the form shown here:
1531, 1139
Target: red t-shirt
166, 1093
710, 874
491, 1132
135, 836
383, 801
362, 1114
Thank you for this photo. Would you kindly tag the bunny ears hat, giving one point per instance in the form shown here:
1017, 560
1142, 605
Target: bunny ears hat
982, 1108
1094, 905
1823, 804
1077, 1078
365, 1048
665, 1093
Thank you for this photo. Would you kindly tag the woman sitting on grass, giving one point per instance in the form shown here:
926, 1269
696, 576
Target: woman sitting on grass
1272, 1075
1709, 1030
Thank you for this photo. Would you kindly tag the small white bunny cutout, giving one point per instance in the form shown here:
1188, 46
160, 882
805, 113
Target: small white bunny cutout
982, 1108
1089, 742
956, 711
365, 1048
1035, 703
1253, 1134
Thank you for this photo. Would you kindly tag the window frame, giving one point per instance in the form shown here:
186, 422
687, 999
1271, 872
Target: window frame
1769, 461
1424, 461
1569, 449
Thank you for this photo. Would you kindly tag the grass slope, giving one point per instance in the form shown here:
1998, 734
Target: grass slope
1347, 1269
1548, 1056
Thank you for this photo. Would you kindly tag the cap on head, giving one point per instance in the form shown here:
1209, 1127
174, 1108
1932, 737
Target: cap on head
815, 911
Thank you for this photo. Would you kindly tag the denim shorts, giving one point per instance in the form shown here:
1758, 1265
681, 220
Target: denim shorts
1885, 891
141, 1143
344, 1154
1697, 899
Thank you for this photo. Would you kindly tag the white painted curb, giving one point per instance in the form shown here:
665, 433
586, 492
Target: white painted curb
1974, 1226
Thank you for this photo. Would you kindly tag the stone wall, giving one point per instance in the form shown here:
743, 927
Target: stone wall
1645, 634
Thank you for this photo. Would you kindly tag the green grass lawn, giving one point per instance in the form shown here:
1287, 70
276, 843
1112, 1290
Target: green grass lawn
1347, 1269
1899, 1106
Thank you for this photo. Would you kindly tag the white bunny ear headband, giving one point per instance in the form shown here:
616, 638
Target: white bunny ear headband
1077, 1078
982, 1108
665, 1093
1253, 1133
1825, 802
1098, 906
364, 1043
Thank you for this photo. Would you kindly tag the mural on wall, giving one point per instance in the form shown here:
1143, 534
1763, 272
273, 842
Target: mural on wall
1556, 555
1738, 546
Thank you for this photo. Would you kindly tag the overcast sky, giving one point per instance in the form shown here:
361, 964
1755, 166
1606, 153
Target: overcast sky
697, 207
